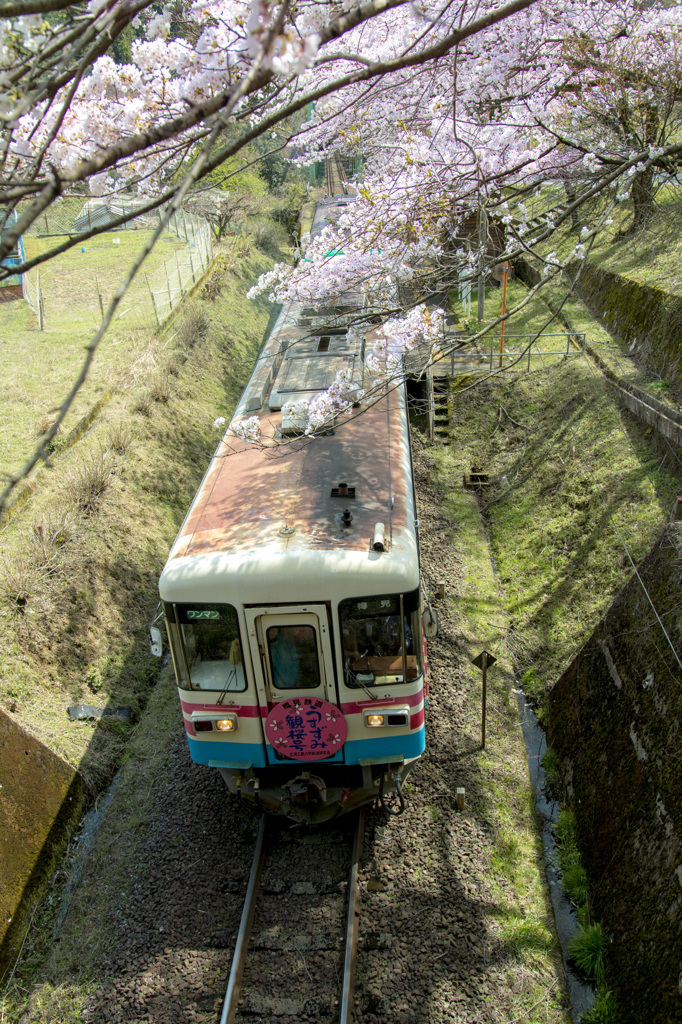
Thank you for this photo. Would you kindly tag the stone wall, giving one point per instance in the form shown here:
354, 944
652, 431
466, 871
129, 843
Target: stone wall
40, 797
615, 719
648, 319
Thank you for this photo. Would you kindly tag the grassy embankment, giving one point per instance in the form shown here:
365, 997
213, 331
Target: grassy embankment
577, 482
579, 490
570, 471
81, 559
39, 366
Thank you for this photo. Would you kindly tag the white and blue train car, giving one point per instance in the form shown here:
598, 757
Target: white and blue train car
292, 593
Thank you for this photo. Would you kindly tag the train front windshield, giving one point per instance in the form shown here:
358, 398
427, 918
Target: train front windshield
381, 639
206, 646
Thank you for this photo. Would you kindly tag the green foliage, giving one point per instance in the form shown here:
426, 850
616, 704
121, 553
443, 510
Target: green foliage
574, 879
526, 938
566, 837
239, 175
604, 1011
551, 765
576, 885
587, 949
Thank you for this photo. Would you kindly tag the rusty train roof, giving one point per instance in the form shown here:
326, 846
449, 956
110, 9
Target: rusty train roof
278, 503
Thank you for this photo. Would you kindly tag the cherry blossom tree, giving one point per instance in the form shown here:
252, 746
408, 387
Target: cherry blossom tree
456, 107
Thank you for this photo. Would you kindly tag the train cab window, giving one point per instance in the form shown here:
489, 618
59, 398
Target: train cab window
293, 657
379, 645
207, 648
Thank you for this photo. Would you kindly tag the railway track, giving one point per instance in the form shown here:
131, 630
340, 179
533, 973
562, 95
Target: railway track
335, 174
298, 924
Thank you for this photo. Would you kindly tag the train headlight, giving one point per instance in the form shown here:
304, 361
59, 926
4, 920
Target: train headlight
228, 724
384, 718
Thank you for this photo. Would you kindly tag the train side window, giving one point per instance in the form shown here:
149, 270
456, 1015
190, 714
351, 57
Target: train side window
293, 657
207, 646
375, 639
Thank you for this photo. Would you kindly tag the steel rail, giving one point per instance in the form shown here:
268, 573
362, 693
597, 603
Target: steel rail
239, 957
352, 925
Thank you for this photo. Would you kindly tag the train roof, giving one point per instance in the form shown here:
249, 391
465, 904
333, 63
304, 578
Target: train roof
275, 511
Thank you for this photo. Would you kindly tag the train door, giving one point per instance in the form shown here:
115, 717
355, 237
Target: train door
291, 653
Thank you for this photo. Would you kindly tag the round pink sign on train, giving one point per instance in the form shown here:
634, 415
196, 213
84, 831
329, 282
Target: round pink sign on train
306, 728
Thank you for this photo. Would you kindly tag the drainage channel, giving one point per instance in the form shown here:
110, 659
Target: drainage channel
581, 995
86, 840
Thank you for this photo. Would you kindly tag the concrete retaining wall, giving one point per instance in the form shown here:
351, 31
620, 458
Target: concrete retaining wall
41, 796
615, 719
648, 319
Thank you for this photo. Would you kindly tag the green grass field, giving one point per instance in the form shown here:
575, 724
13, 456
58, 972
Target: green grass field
38, 367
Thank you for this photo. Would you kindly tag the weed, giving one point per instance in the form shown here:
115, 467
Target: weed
526, 937
160, 389
193, 326
587, 949
88, 479
661, 385
604, 1010
566, 836
214, 285
93, 680
143, 405
263, 233
50, 536
121, 438
21, 580
43, 425
551, 765
576, 885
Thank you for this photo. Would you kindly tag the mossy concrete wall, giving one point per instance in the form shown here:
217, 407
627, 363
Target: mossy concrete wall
615, 720
40, 796
648, 319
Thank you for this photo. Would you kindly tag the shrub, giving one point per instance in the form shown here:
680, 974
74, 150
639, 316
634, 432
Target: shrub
88, 480
193, 326
604, 1010
160, 389
121, 438
263, 233
587, 949
551, 764
575, 884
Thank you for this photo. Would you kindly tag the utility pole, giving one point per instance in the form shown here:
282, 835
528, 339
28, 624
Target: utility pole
482, 238
505, 271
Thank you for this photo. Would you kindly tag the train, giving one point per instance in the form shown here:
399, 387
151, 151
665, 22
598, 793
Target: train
292, 597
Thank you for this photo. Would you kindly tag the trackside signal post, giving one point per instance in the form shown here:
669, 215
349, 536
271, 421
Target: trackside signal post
482, 661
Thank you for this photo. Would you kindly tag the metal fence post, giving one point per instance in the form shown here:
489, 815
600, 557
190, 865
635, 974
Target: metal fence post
170, 294
151, 292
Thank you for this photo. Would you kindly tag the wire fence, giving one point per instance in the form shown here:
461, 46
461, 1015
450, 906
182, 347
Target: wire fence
30, 290
166, 284
170, 283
